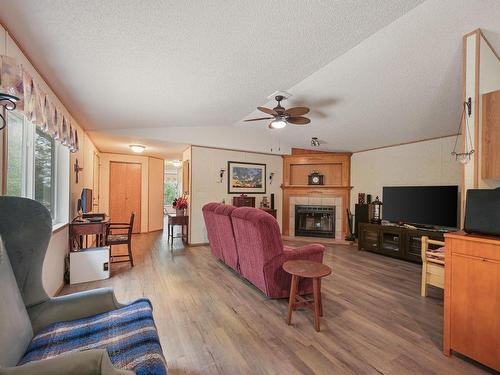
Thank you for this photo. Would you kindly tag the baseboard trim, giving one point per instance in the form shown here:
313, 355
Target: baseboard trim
198, 244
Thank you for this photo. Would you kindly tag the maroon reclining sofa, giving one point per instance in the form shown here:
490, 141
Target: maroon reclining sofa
249, 241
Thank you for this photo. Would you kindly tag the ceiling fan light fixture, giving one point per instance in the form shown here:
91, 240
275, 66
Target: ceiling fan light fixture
281, 116
279, 123
137, 148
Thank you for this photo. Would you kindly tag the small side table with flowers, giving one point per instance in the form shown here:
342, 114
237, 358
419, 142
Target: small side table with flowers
179, 218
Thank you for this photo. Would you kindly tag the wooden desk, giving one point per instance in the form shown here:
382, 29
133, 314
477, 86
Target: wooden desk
79, 232
472, 297
174, 220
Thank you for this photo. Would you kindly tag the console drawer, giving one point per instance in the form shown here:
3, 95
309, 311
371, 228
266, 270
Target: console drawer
476, 249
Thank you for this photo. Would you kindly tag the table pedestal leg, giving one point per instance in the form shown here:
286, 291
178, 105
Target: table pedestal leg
317, 302
291, 301
320, 299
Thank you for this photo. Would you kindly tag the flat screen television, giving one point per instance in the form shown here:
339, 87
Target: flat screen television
425, 205
86, 200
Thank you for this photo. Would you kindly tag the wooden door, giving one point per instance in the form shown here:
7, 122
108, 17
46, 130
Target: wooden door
125, 193
475, 299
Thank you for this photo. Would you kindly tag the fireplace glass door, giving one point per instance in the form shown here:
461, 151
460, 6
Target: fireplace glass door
315, 221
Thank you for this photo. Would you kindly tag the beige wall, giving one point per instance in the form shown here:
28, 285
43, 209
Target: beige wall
156, 181
106, 159
205, 166
85, 156
421, 163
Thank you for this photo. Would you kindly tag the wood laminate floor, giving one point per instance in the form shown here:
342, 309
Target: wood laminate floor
211, 321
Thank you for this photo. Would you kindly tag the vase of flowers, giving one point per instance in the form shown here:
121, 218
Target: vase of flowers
180, 204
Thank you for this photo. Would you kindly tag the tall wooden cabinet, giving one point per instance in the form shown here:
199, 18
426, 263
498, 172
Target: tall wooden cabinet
472, 298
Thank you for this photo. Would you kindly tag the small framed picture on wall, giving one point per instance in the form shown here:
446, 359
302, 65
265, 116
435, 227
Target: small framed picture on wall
246, 178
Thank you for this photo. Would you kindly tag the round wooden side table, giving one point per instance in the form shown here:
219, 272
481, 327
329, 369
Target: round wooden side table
306, 269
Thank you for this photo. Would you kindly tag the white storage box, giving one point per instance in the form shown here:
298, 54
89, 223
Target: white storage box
89, 265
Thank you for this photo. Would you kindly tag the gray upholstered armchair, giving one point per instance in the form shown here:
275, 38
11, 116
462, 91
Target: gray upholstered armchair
28, 314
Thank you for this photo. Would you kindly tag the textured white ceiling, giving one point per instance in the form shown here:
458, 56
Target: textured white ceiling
374, 72
401, 84
119, 143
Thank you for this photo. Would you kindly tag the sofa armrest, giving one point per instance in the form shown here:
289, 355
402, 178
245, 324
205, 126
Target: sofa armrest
312, 252
72, 306
88, 362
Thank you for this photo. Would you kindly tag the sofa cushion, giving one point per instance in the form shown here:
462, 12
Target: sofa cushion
128, 334
213, 237
225, 233
16, 331
258, 240
261, 252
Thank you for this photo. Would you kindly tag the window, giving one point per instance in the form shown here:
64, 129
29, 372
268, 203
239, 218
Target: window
44, 154
15, 156
171, 186
35, 164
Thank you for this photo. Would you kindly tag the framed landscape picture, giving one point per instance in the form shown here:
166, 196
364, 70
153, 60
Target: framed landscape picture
246, 178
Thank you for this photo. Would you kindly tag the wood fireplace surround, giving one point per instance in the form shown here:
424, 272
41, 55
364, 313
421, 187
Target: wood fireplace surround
336, 168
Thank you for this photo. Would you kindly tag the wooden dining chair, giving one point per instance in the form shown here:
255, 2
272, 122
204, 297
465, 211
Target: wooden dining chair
121, 239
432, 265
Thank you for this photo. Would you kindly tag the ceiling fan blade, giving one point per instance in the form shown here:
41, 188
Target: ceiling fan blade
258, 119
268, 111
298, 120
297, 111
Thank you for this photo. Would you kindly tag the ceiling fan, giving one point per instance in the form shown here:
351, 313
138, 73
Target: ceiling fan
281, 116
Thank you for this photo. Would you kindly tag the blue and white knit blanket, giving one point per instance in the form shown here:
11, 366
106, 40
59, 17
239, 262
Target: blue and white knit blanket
129, 335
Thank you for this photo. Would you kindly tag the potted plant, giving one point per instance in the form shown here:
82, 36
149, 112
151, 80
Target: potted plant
180, 204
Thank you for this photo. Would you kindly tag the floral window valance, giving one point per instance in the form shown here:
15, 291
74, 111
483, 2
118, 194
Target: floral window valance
36, 104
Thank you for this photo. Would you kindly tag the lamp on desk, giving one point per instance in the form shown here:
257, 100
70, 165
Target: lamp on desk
79, 207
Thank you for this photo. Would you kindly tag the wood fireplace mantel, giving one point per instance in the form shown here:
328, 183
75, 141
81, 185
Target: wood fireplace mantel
336, 169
